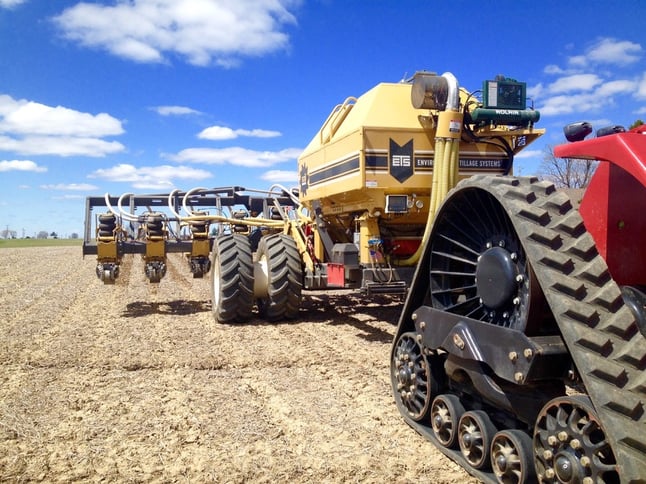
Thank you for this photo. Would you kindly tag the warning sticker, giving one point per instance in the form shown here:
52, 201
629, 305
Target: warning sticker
454, 126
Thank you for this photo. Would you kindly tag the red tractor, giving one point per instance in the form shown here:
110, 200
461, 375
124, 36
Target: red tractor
521, 348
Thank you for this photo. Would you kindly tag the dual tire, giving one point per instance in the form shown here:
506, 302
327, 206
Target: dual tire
273, 283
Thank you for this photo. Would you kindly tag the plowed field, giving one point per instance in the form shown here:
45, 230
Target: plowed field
135, 382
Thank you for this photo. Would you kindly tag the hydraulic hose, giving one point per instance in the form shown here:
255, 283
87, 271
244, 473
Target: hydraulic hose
447, 154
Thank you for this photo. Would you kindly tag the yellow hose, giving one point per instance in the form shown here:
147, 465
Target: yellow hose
445, 171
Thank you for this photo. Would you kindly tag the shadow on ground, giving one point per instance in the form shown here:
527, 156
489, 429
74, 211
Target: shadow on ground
178, 307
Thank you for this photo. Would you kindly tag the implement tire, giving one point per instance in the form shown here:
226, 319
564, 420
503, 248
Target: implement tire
280, 261
232, 279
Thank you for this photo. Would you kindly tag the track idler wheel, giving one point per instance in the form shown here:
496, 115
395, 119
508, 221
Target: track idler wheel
412, 377
446, 412
475, 434
570, 446
512, 459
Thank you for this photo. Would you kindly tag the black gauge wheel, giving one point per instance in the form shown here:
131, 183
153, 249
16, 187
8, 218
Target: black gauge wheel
512, 460
570, 445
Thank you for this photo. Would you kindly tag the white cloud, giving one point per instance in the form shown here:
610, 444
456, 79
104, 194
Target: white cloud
577, 82
174, 110
641, 88
553, 69
572, 103
223, 133
79, 187
11, 3
236, 156
280, 176
158, 177
60, 146
28, 117
21, 165
536, 91
611, 88
528, 154
204, 32
608, 51
612, 51
32, 128
69, 196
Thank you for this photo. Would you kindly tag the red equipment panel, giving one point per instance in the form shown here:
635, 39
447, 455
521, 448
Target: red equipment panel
614, 204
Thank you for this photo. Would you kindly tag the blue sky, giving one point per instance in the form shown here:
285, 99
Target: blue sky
147, 95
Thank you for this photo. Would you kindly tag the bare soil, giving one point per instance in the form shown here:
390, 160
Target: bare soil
135, 382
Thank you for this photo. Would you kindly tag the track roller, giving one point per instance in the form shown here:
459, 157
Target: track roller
475, 433
446, 412
512, 459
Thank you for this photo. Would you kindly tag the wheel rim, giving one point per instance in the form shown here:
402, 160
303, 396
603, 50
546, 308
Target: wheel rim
445, 415
478, 267
511, 457
570, 444
278, 278
216, 283
411, 377
475, 432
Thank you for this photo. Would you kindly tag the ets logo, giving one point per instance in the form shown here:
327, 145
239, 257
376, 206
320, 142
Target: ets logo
401, 161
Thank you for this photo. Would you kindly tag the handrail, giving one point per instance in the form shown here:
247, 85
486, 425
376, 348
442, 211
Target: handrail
336, 117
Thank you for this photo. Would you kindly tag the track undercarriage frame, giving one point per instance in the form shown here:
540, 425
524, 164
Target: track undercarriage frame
565, 375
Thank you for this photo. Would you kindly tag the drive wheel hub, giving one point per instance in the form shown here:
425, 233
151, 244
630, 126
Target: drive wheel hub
568, 468
496, 277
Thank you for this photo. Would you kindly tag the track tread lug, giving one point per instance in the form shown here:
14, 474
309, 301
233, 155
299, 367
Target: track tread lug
550, 239
615, 376
633, 410
583, 249
595, 272
634, 356
571, 225
597, 343
575, 289
583, 313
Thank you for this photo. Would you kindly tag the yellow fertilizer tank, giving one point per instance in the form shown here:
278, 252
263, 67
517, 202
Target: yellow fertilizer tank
368, 174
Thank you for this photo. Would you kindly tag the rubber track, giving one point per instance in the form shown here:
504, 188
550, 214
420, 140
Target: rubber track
599, 330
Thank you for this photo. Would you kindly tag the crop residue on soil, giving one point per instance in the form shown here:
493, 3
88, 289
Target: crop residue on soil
135, 382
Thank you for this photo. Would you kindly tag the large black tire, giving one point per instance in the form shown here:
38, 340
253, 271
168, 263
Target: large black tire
232, 279
280, 260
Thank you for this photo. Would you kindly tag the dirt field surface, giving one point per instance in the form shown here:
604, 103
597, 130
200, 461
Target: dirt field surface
136, 383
